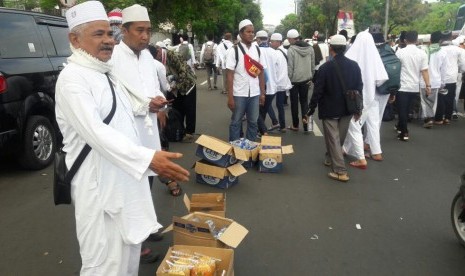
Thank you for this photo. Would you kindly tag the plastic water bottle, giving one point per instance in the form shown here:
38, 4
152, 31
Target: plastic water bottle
310, 123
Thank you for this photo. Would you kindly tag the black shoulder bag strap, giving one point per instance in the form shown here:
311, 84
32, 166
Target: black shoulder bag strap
225, 47
284, 54
339, 75
85, 151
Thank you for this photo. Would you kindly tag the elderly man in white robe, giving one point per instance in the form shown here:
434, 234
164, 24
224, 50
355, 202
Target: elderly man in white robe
113, 205
365, 53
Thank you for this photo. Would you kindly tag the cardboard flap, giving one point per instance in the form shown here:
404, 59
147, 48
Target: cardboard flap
187, 202
271, 140
234, 235
236, 169
207, 202
271, 151
205, 169
213, 143
287, 149
240, 154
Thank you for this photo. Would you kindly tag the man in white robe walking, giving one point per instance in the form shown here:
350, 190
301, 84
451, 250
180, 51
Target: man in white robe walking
365, 53
113, 205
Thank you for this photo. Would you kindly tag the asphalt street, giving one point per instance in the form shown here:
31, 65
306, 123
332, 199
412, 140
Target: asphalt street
391, 219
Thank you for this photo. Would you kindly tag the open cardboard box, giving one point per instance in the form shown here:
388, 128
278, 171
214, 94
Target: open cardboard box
225, 255
211, 203
271, 154
186, 231
218, 152
218, 177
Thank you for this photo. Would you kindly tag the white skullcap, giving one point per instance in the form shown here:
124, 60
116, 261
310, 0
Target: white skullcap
244, 23
86, 12
277, 37
261, 33
292, 33
160, 44
459, 40
286, 43
135, 13
338, 40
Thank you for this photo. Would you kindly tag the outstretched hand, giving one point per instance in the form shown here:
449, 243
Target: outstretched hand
163, 165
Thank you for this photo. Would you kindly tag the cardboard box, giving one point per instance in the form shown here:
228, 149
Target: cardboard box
211, 203
218, 152
189, 232
218, 177
225, 255
271, 154
252, 157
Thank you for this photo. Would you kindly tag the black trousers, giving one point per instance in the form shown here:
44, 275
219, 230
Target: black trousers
187, 107
299, 93
445, 105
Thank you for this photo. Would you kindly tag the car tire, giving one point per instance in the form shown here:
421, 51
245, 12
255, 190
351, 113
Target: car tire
39, 144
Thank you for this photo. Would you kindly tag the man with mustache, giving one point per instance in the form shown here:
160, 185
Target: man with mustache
113, 205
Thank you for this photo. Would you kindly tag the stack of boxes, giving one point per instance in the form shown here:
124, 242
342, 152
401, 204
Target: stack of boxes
219, 165
199, 232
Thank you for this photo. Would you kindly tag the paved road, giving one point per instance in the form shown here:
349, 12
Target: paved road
300, 222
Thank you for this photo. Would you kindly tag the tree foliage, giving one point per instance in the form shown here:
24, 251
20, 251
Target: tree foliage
291, 21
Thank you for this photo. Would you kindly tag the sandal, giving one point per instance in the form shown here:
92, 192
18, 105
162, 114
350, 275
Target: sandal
357, 165
174, 190
339, 177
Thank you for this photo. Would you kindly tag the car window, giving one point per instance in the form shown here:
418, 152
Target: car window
18, 36
60, 39
48, 43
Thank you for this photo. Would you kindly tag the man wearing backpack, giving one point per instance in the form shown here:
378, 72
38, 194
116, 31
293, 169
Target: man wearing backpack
364, 52
246, 83
208, 58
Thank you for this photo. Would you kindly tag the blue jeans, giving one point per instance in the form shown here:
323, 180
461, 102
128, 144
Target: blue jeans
280, 98
244, 106
263, 110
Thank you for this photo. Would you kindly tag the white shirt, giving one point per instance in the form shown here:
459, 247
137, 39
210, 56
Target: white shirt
283, 49
271, 57
324, 53
413, 62
244, 85
221, 53
434, 70
454, 60
161, 74
140, 73
202, 51
112, 179
283, 82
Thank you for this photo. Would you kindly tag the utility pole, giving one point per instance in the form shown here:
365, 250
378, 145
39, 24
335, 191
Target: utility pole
386, 19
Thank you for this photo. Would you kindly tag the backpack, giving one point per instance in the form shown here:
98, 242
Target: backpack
208, 54
184, 51
392, 65
174, 129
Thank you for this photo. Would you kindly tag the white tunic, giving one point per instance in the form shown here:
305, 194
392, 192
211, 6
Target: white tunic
271, 58
364, 52
141, 74
113, 177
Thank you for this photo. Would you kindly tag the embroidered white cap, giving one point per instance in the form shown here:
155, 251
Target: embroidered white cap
338, 40
286, 43
243, 23
261, 33
160, 44
85, 12
292, 33
135, 13
277, 37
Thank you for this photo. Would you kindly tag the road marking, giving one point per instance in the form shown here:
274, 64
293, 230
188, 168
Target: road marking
317, 130
203, 83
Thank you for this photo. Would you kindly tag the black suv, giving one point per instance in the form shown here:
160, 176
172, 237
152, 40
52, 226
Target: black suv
33, 50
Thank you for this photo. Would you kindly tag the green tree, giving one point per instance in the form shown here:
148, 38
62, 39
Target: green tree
291, 21
437, 19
